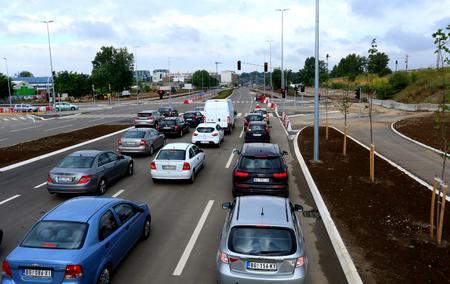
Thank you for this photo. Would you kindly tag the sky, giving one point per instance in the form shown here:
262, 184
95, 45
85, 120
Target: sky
185, 36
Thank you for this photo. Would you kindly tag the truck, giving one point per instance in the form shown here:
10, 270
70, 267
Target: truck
220, 111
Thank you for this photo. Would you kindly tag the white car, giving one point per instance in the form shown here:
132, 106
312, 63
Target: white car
208, 134
177, 161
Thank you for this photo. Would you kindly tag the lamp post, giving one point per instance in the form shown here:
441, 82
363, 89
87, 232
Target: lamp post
51, 62
217, 72
7, 78
270, 67
316, 91
282, 57
136, 71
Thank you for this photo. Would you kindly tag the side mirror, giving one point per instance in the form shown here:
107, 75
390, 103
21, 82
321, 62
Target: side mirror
201, 150
298, 208
121, 157
236, 151
235, 113
139, 209
226, 206
285, 153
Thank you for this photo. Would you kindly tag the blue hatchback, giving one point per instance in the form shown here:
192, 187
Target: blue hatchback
80, 241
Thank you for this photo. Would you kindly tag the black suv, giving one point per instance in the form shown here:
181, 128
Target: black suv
173, 126
252, 117
257, 131
194, 118
168, 111
260, 169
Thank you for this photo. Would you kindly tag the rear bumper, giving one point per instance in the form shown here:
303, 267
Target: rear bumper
250, 139
136, 149
172, 175
256, 189
170, 132
144, 124
204, 141
72, 188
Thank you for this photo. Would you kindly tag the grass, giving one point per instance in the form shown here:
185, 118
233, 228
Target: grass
224, 94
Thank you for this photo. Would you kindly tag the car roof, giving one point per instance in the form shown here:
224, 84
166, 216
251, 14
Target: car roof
139, 129
169, 118
260, 149
177, 146
79, 209
191, 111
86, 153
262, 210
148, 111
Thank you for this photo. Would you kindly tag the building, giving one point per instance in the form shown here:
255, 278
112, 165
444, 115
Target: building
159, 75
180, 77
228, 77
142, 75
40, 84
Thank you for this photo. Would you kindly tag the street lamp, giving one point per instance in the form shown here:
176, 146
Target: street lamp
217, 72
136, 71
270, 67
282, 57
7, 78
316, 91
51, 62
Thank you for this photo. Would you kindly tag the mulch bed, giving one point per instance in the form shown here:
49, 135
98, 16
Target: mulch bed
31, 149
385, 225
424, 129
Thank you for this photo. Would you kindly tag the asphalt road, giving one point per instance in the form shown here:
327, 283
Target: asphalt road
176, 210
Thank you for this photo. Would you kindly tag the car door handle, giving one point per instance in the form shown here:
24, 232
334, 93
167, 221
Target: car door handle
107, 245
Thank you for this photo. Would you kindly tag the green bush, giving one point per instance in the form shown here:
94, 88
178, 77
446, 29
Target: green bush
399, 81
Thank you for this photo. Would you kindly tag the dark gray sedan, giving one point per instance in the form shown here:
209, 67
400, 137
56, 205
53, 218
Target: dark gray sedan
88, 171
141, 140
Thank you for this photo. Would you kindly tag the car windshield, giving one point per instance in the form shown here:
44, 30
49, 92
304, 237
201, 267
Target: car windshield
168, 122
76, 162
164, 109
56, 235
205, 129
262, 241
134, 134
144, 114
254, 118
257, 127
190, 114
171, 154
262, 111
254, 163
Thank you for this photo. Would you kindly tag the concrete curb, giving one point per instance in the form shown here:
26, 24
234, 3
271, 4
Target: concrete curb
338, 244
417, 142
29, 161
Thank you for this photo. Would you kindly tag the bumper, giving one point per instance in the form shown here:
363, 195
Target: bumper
144, 124
72, 188
169, 132
136, 149
193, 123
263, 139
173, 175
255, 189
226, 276
211, 141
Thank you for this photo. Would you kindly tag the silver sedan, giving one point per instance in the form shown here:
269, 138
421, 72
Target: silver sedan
141, 140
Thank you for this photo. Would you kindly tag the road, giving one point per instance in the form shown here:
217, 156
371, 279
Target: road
176, 210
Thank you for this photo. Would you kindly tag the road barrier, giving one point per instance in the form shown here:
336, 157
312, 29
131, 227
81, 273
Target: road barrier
406, 107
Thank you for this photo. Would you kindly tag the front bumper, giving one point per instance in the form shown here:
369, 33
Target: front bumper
264, 139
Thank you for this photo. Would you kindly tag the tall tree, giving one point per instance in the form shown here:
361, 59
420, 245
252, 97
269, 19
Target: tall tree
306, 75
25, 74
112, 66
378, 61
4, 86
202, 79
350, 66
72, 83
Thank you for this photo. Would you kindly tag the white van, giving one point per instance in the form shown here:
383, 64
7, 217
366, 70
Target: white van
220, 112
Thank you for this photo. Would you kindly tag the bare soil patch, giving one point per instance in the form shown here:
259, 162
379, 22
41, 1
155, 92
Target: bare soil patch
424, 129
31, 149
385, 225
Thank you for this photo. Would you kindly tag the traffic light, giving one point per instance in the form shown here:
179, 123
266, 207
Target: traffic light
239, 65
358, 94
266, 67
302, 88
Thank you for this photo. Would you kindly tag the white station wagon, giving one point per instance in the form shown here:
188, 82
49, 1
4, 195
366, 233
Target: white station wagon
177, 161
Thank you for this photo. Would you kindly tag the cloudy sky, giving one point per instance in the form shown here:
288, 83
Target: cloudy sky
189, 35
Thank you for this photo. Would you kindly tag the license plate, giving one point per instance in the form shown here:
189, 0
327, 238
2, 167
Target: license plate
261, 266
169, 168
204, 142
257, 134
64, 179
261, 180
41, 273
167, 128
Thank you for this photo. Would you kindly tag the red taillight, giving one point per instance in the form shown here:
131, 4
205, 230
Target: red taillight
195, 134
300, 262
280, 175
153, 166
241, 174
73, 271
177, 127
49, 179
215, 134
186, 166
119, 141
195, 117
6, 270
143, 142
84, 179
224, 258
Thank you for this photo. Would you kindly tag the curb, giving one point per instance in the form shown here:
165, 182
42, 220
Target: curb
417, 142
29, 161
338, 244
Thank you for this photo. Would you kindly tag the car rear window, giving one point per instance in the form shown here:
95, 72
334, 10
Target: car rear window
134, 134
56, 235
191, 114
171, 154
255, 163
205, 129
262, 111
168, 122
144, 114
255, 118
257, 127
268, 241
76, 162
164, 109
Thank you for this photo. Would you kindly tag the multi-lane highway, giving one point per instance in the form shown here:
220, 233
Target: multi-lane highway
177, 209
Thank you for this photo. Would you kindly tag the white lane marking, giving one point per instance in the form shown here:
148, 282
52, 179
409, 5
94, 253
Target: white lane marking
187, 251
22, 118
242, 132
59, 127
26, 128
6, 119
229, 160
13, 118
118, 193
9, 199
40, 185
3, 139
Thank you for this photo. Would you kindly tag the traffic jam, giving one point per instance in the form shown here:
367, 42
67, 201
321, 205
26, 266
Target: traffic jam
85, 238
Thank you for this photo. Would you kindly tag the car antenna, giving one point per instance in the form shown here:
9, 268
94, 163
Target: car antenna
262, 211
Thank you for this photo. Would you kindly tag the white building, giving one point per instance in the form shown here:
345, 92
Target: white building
227, 77
180, 77
159, 75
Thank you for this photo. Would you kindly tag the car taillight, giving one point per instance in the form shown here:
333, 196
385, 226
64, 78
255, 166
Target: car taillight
186, 166
300, 262
49, 178
84, 179
73, 271
280, 175
241, 174
143, 142
177, 127
215, 134
195, 133
6, 270
224, 258
195, 117
228, 119
153, 166
119, 141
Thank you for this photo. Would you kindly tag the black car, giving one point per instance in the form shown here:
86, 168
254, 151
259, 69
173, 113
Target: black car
260, 169
1, 236
257, 131
252, 117
168, 111
193, 118
173, 126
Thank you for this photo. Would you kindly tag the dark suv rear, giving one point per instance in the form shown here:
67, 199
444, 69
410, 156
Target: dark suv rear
168, 111
194, 118
260, 169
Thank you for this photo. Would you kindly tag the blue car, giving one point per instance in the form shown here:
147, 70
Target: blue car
80, 241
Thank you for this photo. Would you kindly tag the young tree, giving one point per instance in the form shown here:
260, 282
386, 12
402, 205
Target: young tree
344, 106
372, 52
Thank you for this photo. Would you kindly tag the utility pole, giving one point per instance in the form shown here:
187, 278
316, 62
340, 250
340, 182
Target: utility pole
282, 57
406, 61
396, 64
217, 72
7, 78
316, 90
270, 67
136, 71
51, 61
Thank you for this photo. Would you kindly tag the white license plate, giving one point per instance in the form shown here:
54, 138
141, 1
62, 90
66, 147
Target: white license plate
169, 168
64, 179
41, 273
261, 266
257, 134
167, 128
261, 180
205, 142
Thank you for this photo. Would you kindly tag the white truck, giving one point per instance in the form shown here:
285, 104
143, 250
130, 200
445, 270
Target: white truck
220, 111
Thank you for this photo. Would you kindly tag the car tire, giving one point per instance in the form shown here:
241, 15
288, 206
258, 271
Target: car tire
181, 132
152, 150
1, 236
219, 144
192, 179
130, 169
155, 180
72, 108
105, 276
147, 228
101, 189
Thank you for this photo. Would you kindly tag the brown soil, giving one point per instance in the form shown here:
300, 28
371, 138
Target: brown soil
31, 149
385, 225
424, 129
